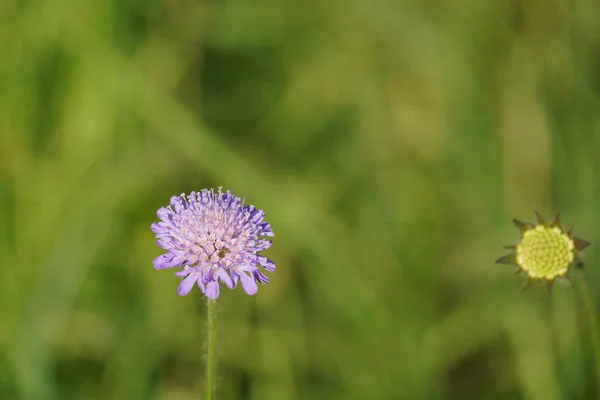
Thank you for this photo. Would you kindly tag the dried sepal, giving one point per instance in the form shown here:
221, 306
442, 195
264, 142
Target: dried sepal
528, 283
549, 285
556, 222
522, 226
579, 243
540, 219
509, 259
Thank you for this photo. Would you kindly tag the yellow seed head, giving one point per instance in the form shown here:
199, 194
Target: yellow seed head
545, 252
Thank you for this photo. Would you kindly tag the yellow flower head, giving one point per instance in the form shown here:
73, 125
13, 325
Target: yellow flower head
545, 252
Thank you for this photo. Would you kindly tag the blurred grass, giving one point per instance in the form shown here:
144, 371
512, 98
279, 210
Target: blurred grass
390, 144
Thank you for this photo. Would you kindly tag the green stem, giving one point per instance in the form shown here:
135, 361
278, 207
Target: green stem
594, 325
211, 356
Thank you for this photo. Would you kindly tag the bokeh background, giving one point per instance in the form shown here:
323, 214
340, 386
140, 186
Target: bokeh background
390, 144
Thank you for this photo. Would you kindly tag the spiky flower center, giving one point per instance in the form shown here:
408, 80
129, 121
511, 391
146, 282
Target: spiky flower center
545, 252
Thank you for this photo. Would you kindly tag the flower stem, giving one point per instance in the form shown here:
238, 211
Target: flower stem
594, 325
211, 355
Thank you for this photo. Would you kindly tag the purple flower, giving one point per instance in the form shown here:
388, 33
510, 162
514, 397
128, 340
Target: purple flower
215, 238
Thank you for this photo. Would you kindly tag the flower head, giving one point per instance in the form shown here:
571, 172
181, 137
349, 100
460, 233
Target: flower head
215, 238
545, 252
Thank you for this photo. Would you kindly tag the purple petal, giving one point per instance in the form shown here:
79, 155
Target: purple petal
178, 253
163, 244
249, 267
248, 283
262, 278
263, 245
227, 197
266, 263
164, 214
266, 230
184, 272
159, 227
191, 257
212, 290
257, 216
166, 260
178, 203
225, 278
207, 277
205, 197
187, 284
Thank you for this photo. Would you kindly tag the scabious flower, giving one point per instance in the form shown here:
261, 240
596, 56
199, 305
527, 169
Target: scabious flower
545, 252
215, 238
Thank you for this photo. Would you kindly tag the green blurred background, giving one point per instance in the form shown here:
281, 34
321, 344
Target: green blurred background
390, 144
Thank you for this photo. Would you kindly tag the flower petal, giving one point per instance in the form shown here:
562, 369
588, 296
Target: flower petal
266, 230
208, 276
248, 283
178, 203
262, 278
262, 245
201, 286
166, 260
225, 278
159, 227
164, 214
257, 215
184, 272
163, 244
187, 284
212, 290
266, 263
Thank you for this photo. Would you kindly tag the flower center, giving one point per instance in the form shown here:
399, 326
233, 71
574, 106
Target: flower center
545, 252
